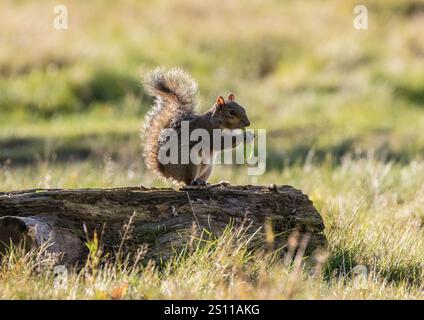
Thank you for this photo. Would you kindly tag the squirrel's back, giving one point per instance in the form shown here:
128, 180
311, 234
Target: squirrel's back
175, 94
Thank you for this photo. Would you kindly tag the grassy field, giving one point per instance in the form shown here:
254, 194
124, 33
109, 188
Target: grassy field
343, 109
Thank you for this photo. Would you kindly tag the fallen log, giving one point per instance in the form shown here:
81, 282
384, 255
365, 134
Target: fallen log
161, 219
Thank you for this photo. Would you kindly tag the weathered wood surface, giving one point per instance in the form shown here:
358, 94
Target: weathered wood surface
162, 218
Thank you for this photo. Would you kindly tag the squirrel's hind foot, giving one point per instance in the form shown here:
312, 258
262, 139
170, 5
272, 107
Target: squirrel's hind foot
199, 182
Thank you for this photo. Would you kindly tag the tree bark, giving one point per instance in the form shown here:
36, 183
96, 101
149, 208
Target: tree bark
162, 219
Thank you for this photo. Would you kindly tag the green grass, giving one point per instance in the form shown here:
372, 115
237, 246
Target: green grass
343, 111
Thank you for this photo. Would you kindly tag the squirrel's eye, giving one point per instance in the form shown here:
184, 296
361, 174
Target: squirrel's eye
232, 112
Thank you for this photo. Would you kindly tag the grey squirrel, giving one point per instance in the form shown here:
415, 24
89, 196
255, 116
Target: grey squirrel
176, 99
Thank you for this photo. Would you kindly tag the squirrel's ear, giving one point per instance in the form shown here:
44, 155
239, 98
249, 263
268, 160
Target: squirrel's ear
220, 101
231, 97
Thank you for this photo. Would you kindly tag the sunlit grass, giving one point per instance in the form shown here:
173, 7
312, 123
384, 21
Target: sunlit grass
221, 268
371, 209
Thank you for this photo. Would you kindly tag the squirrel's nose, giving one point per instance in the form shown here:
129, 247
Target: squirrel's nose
247, 123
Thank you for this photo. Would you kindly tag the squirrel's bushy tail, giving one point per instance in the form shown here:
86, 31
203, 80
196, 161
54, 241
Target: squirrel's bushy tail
175, 93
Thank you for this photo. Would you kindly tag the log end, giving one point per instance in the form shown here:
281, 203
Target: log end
34, 232
13, 231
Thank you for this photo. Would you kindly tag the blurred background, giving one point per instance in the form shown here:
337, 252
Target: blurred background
71, 102
343, 109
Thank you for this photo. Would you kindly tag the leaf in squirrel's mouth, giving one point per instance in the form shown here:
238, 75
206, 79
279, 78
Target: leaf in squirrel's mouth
248, 144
